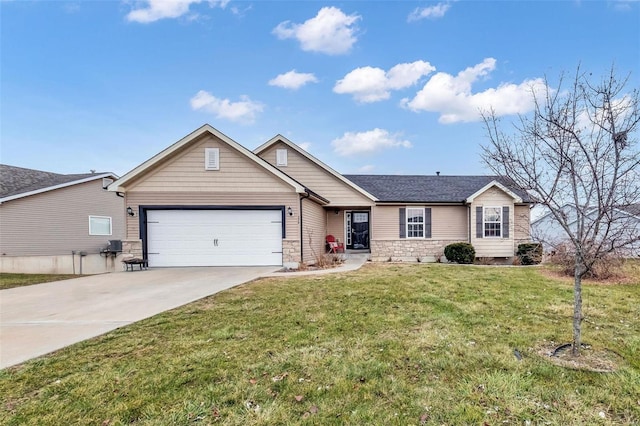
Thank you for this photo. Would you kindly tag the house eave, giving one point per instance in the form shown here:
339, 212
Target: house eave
516, 197
317, 197
402, 202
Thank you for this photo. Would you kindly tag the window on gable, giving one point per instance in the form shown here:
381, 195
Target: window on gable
492, 221
281, 157
212, 159
415, 223
99, 225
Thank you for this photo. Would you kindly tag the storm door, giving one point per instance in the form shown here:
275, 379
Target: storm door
357, 230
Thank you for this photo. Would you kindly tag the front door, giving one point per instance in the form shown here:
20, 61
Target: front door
357, 230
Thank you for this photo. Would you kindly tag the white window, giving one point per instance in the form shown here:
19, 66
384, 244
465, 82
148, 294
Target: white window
415, 223
281, 157
212, 159
99, 225
492, 222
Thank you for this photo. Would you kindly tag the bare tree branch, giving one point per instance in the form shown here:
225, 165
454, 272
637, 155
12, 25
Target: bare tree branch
576, 154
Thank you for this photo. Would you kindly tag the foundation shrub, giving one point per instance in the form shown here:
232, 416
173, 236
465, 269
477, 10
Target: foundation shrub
460, 253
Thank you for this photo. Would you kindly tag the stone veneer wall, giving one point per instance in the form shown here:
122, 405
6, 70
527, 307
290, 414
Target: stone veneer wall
131, 248
408, 250
290, 252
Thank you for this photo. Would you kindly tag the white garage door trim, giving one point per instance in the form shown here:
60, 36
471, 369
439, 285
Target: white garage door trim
214, 237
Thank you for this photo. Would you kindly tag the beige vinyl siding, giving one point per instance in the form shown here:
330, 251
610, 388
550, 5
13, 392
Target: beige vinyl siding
135, 199
316, 179
313, 230
185, 171
335, 224
494, 246
385, 223
522, 224
447, 222
57, 222
450, 223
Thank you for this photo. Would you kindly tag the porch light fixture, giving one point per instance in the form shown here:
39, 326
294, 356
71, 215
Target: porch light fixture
336, 211
130, 211
290, 211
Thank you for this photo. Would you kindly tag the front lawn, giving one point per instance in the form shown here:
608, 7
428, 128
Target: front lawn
20, 280
386, 345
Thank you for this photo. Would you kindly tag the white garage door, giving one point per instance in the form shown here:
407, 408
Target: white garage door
214, 237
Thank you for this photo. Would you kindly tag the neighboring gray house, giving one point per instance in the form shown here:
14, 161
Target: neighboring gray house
626, 226
56, 223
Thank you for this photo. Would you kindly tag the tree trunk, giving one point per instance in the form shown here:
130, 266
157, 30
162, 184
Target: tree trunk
577, 309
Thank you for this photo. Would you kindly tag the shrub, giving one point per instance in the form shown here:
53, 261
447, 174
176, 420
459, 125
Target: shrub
460, 253
529, 253
606, 267
329, 260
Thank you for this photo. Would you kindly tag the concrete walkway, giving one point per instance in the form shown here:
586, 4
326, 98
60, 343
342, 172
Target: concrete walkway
353, 261
38, 319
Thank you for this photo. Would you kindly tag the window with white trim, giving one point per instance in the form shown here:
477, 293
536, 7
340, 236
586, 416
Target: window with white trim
281, 157
212, 158
492, 222
100, 225
415, 223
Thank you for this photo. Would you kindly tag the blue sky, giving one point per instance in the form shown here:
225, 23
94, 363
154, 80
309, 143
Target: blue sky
367, 87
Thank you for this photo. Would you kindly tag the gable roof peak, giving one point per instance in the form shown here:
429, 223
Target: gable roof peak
118, 186
279, 138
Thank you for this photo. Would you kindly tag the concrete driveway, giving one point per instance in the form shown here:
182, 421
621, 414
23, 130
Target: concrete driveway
39, 319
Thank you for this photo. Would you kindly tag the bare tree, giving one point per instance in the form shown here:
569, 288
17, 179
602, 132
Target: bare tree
576, 155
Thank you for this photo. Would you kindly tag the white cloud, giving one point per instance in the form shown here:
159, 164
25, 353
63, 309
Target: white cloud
366, 169
451, 96
330, 31
154, 10
431, 12
623, 5
244, 111
594, 119
369, 84
293, 80
368, 142
305, 145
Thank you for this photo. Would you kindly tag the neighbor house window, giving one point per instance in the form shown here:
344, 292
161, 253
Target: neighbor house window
281, 157
492, 221
212, 159
415, 223
99, 225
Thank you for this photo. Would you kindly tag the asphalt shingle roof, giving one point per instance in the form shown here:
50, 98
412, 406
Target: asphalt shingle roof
428, 188
18, 180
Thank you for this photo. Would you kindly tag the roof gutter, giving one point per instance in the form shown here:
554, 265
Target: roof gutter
316, 197
458, 202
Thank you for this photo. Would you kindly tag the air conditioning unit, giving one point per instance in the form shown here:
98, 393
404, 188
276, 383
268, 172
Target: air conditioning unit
115, 246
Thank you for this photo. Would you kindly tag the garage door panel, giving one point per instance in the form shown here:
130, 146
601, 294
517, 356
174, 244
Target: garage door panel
214, 237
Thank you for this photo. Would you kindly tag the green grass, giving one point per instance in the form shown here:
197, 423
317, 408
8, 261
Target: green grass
389, 345
21, 280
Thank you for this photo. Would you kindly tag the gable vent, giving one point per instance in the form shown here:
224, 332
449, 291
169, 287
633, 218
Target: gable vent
212, 158
281, 157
